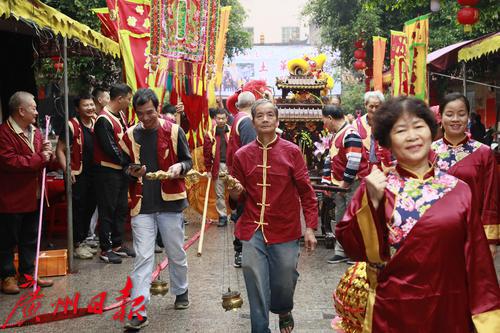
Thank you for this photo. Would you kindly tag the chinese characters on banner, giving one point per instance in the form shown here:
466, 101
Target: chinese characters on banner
29, 304
399, 66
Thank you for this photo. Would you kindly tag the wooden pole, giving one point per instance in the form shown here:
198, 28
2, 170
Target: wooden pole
69, 189
204, 218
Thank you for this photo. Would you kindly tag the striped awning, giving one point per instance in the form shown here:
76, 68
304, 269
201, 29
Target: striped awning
41, 16
482, 46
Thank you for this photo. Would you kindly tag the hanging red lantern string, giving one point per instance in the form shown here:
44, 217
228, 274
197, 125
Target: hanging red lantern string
359, 55
58, 66
58, 63
468, 15
359, 44
359, 65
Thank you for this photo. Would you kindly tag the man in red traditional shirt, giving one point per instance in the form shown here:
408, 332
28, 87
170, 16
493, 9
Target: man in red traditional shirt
23, 155
214, 154
272, 175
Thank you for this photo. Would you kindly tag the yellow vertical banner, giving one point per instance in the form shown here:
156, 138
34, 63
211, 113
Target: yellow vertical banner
378, 61
220, 47
417, 32
399, 65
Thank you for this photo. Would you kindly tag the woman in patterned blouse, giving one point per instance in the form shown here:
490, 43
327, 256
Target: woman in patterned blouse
470, 161
428, 263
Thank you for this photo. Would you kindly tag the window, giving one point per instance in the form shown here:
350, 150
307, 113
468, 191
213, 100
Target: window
290, 34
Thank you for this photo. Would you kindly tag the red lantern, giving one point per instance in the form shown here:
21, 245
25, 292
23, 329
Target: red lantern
58, 66
467, 2
360, 54
468, 16
359, 65
359, 43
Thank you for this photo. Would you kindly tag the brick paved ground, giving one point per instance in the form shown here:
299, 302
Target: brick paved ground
313, 309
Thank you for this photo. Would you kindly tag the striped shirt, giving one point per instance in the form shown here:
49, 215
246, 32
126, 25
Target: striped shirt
353, 146
346, 155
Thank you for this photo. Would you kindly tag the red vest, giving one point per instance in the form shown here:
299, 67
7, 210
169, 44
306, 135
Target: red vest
171, 189
100, 157
338, 156
384, 155
77, 146
234, 139
211, 150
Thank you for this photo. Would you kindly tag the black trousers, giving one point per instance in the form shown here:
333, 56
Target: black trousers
21, 230
237, 246
84, 204
112, 203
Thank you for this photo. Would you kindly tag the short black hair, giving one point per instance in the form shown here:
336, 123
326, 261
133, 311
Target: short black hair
475, 116
79, 98
98, 91
451, 97
211, 112
168, 108
144, 95
390, 111
260, 102
221, 111
119, 90
333, 111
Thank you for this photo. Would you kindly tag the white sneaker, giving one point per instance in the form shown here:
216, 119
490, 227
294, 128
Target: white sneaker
89, 248
81, 252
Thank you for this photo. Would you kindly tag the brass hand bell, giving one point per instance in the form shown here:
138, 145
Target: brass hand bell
159, 287
231, 300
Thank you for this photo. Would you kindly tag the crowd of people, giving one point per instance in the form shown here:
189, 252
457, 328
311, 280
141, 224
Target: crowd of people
422, 211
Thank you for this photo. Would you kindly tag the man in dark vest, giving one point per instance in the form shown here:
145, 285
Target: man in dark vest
156, 144
111, 181
214, 155
81, 141
242, 133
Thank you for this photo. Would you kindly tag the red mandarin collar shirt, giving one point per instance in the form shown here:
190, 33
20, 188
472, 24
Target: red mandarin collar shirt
21, 164
276, 185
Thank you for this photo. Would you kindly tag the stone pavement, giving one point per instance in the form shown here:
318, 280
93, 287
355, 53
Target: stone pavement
313, 309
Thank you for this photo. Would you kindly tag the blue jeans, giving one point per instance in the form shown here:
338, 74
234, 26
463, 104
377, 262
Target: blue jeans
171, 227
270, 273
342, 200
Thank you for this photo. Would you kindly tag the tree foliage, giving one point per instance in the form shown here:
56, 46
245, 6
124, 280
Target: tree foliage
342, 22
84, 72
237, 38
352, 89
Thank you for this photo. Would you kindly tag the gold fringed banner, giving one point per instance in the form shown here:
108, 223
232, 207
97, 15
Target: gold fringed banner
378, 61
